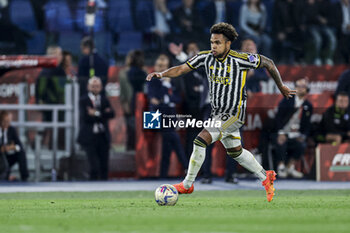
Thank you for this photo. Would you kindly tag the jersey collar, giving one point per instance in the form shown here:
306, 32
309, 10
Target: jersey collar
222, 60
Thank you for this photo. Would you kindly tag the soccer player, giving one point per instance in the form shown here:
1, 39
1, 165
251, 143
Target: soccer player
226, 71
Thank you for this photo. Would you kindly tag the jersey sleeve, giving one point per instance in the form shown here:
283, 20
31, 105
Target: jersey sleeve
247, 60
198, 60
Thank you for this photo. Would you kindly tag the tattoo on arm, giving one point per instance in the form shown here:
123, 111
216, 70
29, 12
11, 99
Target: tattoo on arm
271, 67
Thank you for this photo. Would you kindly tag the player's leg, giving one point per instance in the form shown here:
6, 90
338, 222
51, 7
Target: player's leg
232, 143
247, 160
200, 143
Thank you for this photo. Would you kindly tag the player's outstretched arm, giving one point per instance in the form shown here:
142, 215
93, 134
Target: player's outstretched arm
275, 74
171, 72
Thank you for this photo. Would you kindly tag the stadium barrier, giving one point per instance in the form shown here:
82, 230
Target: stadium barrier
70, 123
333, 162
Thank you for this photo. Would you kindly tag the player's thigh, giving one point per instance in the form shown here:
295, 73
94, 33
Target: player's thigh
227, 124
232, 141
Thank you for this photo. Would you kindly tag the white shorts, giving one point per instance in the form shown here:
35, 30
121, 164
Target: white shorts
228, 133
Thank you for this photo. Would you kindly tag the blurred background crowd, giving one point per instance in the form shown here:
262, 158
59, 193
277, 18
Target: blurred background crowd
291, 31
110, 54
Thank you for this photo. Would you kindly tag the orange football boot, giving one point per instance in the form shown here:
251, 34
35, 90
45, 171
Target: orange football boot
182, 190
268, 184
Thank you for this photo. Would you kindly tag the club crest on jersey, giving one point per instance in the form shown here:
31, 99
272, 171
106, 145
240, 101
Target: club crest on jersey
252, 58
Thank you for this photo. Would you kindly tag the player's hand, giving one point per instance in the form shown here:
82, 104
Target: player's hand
286, 92
154, 74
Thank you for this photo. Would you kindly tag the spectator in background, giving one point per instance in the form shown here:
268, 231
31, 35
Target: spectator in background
163, 96
13, 37
193, 93
178, 50
162, 17
344, 82
254, 77
287, 31
293, 126
252, 21
94, 136
342, 24
335, 125
136, 76
49, 89
126, 94
67, 65
39, 13
189, 22
318, 18
11, 147
91, 64
50, 83
217, 11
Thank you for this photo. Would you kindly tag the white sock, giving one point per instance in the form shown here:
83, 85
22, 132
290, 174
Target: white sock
247, 160
196, 161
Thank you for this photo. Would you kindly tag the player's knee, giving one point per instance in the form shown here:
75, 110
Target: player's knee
234, 152
203, 139
198, 141
205, 135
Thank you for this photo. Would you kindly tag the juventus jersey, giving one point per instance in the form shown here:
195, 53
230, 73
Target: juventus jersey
227, 78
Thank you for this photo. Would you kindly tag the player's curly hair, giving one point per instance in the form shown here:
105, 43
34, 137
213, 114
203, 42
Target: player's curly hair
226, 29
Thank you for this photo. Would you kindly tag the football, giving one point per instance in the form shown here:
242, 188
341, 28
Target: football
166, 194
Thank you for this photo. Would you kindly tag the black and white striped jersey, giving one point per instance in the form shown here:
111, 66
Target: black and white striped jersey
227, 78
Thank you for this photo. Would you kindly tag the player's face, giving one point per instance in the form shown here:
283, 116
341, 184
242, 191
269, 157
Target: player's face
342, 102
219, 45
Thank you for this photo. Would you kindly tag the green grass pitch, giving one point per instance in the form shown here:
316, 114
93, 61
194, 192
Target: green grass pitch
202, 211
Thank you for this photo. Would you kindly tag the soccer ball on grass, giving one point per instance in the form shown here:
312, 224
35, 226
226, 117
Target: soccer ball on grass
166, 194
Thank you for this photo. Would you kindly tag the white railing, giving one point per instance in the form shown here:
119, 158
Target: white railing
70, 123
